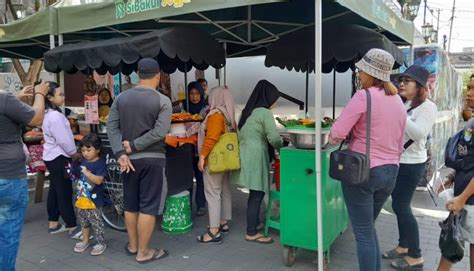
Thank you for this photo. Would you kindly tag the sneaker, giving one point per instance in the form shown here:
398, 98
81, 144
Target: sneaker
76, 233
98, 249
58, 229
80, 247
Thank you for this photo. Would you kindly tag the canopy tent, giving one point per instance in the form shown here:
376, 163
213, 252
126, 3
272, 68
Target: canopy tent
245, 26
174, 47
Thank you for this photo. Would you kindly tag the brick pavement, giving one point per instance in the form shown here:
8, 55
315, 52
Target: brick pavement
39, 251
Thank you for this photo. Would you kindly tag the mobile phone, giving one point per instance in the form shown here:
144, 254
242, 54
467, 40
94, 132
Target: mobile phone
37, 83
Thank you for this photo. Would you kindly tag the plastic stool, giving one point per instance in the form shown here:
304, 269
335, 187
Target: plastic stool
272, 221
177, 215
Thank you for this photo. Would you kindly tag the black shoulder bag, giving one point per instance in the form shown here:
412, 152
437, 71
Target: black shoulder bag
349, 166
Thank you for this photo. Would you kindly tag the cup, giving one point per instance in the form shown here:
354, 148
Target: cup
447, 194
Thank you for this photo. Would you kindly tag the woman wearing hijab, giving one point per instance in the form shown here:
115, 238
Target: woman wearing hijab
258, 136
220, 119
105, 102
463, 180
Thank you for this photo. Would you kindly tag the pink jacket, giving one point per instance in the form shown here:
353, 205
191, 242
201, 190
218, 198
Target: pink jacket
387, 126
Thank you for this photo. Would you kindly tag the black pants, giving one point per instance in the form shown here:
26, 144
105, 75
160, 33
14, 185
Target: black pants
60, 193
199, 198
253, 211
409, 175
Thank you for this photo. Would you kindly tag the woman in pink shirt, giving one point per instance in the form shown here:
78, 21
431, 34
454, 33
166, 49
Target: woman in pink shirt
388, 116
59, 148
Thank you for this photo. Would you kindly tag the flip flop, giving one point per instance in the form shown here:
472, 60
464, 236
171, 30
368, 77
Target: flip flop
129, 253
156, 256
402, 264
260, 241
393, 254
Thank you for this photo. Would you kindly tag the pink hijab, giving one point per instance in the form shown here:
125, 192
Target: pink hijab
220, 100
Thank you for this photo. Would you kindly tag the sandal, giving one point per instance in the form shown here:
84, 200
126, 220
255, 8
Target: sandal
80, 247
157, 255
260, 227
402, 264
224, 228
214, 239
393, 254
260, 240
98, 249
58, 229
129, 252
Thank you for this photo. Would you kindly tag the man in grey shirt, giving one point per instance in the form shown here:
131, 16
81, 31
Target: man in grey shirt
138, 122
13, 182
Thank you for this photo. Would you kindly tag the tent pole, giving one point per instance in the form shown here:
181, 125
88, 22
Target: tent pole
186, 84
317, 107
61, 74
334, 94
306, 98
225, 66
120, 80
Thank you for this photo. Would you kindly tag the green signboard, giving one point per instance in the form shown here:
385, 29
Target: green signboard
124, 7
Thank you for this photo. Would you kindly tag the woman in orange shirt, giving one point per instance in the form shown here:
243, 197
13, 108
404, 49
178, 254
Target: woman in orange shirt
216, 186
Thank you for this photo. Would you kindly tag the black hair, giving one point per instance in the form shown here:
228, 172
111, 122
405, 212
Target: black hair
200, 80
472, 76
53, 86
92, 140
146, 76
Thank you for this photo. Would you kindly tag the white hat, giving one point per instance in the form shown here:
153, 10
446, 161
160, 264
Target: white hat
377, 63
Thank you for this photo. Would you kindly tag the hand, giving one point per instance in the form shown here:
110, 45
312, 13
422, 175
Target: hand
85, 171
76, 157
201, 163
25, 93
127, 147
125, 164
455, 204
447, 183
333, 140
42, 88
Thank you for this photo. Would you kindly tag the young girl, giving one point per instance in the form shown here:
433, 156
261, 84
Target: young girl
59, 148
90, 195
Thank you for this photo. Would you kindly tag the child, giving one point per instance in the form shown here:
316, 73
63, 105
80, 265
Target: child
90, 195
463, 179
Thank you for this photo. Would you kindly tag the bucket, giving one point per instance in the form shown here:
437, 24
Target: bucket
276, 165
177, 215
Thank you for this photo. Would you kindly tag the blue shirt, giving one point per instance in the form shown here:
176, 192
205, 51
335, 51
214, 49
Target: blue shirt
94, 192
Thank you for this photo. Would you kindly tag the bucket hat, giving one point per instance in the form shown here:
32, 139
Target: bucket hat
377, 63
417, 73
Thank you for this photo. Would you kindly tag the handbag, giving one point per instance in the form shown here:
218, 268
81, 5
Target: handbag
225, 155
349, 166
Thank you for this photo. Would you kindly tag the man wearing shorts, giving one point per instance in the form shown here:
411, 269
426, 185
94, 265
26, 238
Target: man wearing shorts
138, 123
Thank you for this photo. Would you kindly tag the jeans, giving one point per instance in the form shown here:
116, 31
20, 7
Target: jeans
364, 203
13, 203
200, 198
253, 211
60, 193
409, 175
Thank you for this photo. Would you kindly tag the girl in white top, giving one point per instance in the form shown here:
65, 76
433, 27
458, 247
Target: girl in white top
421, 117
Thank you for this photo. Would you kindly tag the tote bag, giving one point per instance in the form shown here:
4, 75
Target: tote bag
225, 155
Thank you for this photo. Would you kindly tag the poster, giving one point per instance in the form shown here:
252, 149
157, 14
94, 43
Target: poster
91, 109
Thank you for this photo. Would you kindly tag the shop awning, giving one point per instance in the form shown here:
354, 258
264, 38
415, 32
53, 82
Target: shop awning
175, 48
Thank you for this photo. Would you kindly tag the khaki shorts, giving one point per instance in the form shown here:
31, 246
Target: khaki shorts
468, 225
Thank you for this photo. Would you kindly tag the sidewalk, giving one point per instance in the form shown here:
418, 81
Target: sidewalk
40, 251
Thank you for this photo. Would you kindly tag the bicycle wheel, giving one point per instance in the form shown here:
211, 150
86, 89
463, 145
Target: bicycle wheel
113, 210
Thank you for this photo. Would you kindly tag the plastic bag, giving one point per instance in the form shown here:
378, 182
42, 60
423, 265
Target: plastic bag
451, 241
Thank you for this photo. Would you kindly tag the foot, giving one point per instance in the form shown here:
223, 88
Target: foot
210, 237
75, 233
201, 211
395, 253
224, 228
98, 249
129, 250
57, 229
259, 238
80, 247
404, 264
152, 255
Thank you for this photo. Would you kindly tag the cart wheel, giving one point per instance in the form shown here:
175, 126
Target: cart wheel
289, 255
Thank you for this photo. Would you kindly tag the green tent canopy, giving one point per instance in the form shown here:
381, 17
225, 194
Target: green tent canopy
246, 27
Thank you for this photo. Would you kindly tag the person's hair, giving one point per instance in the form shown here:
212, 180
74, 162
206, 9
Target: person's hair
472, 76
421, 95
91, 140
389, 88
53, 86
106, 90
200, 80
146, 76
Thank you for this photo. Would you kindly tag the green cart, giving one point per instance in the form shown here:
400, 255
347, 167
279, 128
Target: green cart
298, 217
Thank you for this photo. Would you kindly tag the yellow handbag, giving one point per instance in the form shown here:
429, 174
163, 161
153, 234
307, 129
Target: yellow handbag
225, 155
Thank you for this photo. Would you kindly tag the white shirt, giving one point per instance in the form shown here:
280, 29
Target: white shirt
420, 122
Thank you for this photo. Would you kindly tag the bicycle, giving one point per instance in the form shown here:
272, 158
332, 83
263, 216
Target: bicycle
113, 210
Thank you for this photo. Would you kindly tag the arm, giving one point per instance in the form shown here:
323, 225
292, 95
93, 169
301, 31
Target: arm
401, 140
215, 126
40, 92
113, 130
457, 204
158, 133
349, 116
271, 131
97, 180
421, 127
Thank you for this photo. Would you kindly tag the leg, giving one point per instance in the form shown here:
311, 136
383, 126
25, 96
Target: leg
445, 265
213, 192
226, 199
253, 211
146, 224
131, 222
83, 218
408, 178
13, 203
131, 205
52, 201
97, 225
360, 206
200, 198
